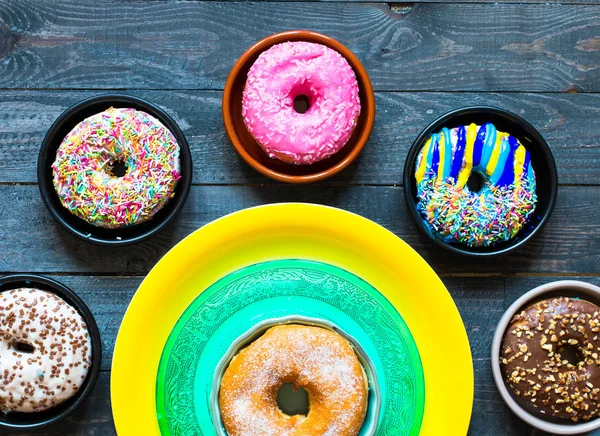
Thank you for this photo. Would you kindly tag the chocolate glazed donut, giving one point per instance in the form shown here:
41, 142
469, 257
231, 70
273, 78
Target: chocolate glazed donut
549, 357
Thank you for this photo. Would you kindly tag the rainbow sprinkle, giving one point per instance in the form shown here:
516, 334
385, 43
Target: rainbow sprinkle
494, 214
476, 220
82, 171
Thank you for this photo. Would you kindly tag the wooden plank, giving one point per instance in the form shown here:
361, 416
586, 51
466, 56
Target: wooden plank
517, 286
400, 6
563, 119
31, 241
183, 45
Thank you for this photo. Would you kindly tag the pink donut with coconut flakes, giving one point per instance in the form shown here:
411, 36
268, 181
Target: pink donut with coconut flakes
277, 78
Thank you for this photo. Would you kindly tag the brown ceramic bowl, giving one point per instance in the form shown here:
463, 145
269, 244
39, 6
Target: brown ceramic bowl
253, 154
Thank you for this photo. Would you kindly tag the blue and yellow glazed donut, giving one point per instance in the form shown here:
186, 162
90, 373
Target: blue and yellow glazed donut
497, 211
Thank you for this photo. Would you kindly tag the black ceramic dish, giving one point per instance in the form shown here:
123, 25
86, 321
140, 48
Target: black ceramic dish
28, 421
80, 228
541, 159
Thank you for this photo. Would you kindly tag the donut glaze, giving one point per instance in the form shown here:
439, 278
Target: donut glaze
534, 362
288, 70
483, 218
82, 171
319, 360
58, 365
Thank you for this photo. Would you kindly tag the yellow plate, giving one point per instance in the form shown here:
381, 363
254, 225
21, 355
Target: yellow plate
298, 231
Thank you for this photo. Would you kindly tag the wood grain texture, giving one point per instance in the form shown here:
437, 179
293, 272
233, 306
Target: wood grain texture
192, 45
565, 121
31, 241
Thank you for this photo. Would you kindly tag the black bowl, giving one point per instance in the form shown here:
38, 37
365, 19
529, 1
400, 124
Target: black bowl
28, 421
541, 159
80, 228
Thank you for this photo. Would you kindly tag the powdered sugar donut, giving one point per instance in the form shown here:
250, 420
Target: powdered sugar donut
319, 360
292, 69
83, 170
58, 354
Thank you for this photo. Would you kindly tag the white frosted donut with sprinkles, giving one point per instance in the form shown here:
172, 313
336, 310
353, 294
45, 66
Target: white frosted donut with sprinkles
324, 78
45, 350
83, 170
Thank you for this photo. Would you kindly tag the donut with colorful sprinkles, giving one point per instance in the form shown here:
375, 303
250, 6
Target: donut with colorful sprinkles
84, 174
300, 69
477, 216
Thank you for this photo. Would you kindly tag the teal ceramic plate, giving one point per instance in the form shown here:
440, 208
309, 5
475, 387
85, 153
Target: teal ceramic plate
276, 289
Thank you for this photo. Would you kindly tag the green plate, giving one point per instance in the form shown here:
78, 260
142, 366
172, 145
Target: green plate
275, 289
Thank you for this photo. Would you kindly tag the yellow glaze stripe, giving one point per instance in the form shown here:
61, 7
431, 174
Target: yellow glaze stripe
491, 166
464, 174
423, 164
518, 165
442, 151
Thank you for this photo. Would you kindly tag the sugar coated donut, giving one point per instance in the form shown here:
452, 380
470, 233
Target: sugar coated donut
292, 69
496, 212
549, 357
319, 360
58, 355
83, 169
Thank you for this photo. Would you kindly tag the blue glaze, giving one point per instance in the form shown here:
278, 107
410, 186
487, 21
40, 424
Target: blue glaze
505, 151
478, 146
430, 157
447, 153
527, 166
461, 144
508, 176
488, 146
435, 155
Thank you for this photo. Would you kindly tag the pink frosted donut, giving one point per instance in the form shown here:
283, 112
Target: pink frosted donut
280, 75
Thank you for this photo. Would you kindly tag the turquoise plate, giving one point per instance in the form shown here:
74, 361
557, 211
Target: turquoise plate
276, 289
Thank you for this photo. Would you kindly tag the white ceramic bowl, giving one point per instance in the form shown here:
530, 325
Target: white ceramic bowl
259, 329
563, 288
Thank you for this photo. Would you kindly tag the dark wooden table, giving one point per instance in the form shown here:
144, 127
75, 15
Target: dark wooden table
538, 59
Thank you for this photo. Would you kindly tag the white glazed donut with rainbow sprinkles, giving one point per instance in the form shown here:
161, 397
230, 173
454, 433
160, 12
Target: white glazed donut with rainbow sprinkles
83, 170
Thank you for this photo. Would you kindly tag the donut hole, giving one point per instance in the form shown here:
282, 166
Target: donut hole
24, 347
118, 168
571, 354
292, 401
476, 181
301, 103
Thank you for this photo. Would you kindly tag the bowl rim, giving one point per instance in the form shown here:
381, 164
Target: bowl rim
185, 158
573, 286
437, 124
61, 290
259, 329
363, 81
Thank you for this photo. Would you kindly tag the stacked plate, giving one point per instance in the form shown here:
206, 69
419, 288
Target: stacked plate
285, 260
